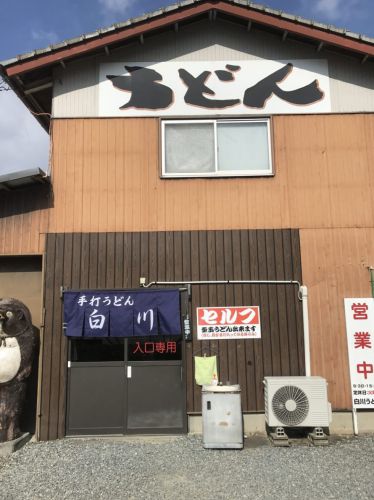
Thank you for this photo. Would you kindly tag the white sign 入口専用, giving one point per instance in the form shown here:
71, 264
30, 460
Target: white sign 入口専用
359, 317
241, 322
206, 88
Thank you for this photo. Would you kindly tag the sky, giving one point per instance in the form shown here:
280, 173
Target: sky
29, 24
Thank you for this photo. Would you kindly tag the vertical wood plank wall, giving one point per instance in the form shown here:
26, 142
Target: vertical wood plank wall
24, 220
105, 260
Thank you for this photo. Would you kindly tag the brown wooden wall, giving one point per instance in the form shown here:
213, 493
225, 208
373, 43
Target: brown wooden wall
21, 277
24, 220
118, 260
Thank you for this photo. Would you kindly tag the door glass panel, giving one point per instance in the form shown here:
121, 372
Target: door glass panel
155, 398
96, 399
97, 349
149, 349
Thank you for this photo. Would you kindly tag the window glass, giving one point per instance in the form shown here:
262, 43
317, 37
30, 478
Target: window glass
151, 349
189, 148
243, 146
216, 148
97, 349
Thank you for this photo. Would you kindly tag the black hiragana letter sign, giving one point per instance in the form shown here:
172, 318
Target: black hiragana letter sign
256, 96
196, 89
146, 92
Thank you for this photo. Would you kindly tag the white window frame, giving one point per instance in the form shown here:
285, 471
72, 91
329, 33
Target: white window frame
218, 173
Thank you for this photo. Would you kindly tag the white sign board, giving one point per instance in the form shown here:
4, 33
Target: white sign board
210, 88
219, 323
359, 317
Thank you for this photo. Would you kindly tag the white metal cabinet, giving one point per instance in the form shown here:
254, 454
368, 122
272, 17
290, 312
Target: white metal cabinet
222, 416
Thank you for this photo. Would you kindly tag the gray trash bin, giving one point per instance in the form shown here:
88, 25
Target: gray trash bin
222, 416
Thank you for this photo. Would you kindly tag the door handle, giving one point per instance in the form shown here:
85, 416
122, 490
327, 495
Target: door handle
129, 372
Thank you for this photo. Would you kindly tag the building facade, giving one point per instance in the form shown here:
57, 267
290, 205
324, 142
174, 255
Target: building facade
208, 142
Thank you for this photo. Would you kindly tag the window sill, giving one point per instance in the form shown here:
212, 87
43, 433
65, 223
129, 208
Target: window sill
220, 175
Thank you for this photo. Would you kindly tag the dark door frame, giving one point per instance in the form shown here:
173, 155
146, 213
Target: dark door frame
125, 363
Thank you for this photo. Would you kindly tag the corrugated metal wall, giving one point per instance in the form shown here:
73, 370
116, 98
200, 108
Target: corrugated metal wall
334, 263
119, 259
76, 87
106, 178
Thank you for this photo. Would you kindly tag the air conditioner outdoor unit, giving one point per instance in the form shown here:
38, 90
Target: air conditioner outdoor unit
296, 402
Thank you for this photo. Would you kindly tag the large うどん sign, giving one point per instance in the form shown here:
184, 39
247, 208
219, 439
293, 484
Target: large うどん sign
214, 88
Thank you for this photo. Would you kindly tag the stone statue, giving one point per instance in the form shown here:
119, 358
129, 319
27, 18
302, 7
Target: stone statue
18, 340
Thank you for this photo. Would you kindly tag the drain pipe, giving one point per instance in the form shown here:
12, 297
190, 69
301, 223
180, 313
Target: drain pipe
143, 283
304, 298
371, 271
302, 295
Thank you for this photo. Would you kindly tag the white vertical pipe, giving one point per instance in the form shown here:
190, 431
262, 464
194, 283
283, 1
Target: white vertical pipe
304, 298
355, 424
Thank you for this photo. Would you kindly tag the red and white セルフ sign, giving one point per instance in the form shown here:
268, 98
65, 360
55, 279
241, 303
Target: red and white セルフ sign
228, 323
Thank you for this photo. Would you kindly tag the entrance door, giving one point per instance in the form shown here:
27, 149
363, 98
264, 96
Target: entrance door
96, 387
155, 387
119, 386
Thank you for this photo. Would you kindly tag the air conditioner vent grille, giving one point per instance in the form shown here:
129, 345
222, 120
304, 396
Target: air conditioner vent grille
290, 405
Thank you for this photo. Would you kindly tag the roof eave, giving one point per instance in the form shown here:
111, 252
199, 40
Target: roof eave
22, 179
85, 45
42, 118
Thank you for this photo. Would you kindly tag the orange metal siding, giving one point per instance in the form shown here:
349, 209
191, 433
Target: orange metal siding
327, 164
106, 178
334, 264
